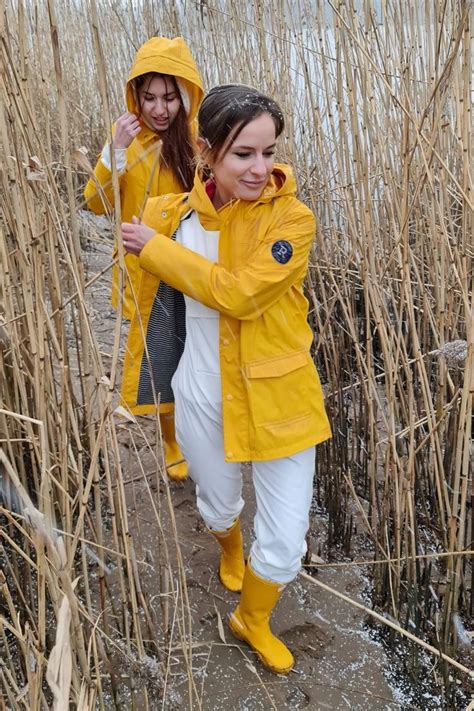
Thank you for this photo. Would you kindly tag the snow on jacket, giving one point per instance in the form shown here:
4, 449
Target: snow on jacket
272, 401
164, 56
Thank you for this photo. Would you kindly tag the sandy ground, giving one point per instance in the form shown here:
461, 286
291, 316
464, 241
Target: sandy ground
338, 665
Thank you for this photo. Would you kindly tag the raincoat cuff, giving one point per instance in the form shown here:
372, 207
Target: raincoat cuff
120, 158
150, 256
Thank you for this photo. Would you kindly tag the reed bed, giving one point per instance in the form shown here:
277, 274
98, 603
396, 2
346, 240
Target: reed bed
377, 100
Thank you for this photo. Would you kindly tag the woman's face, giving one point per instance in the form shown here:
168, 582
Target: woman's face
244, 169
159, 102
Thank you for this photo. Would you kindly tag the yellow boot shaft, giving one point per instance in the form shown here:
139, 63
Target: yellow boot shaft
250, 622
176, 466
232, 562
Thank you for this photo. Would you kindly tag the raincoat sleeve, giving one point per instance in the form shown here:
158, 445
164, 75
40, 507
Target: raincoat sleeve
99, 192
279, 261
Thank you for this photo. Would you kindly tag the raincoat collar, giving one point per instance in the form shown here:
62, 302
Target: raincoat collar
146, 135
282, 182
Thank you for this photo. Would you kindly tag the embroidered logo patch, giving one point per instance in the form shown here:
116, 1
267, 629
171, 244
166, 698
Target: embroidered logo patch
282, 251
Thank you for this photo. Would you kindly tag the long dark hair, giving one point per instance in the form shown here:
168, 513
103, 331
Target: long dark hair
227, 109
177, 152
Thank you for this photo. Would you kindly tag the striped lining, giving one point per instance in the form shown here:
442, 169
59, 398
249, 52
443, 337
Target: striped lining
165, 337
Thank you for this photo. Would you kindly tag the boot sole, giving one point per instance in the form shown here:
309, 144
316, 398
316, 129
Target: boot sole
263, 661
171, 477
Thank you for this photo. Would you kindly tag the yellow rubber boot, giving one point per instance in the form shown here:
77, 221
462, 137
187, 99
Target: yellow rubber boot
232, 563
176, 466
250, 622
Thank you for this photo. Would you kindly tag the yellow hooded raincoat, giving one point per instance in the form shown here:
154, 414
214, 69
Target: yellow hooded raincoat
164, 56
272, 399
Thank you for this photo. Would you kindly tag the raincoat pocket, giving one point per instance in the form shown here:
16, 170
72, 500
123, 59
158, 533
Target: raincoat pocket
277, 388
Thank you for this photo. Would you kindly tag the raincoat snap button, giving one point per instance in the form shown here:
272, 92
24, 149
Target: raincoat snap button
228, 454
164, 214
225, 341
230, 397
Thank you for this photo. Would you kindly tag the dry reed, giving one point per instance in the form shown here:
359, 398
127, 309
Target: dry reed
377, 96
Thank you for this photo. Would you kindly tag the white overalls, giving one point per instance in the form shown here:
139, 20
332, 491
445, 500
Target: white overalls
283, 487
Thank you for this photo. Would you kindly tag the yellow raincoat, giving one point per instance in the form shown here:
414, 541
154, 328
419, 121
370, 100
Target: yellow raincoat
272, 399
165, 56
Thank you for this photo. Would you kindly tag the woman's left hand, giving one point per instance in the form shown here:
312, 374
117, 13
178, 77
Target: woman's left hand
135, 235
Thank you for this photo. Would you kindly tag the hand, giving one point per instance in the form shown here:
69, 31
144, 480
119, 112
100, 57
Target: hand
126, 128
135, 235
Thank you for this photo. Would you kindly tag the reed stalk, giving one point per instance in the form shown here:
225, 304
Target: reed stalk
377, 100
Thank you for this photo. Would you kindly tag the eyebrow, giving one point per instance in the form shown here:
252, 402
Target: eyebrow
168, 93
251, 148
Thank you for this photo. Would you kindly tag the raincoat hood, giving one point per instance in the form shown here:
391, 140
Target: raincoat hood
282, 183
167, 56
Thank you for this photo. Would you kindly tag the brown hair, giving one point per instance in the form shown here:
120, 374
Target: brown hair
227, 109
178, 147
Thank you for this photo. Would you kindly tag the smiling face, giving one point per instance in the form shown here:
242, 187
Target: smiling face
242, 169
159, 103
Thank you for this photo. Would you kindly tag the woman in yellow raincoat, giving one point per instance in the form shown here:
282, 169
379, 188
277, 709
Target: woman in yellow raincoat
154, 149
236, 250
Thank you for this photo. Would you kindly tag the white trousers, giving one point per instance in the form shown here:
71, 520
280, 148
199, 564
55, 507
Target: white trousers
283, 491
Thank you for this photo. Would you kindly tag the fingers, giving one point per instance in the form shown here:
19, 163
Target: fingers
127, 127
129, 124
130, 234
128, 229
135, 235
126, 119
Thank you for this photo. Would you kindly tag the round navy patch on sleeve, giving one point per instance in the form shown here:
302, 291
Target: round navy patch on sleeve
282, 251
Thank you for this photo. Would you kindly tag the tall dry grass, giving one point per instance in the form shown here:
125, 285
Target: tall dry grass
377, 99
